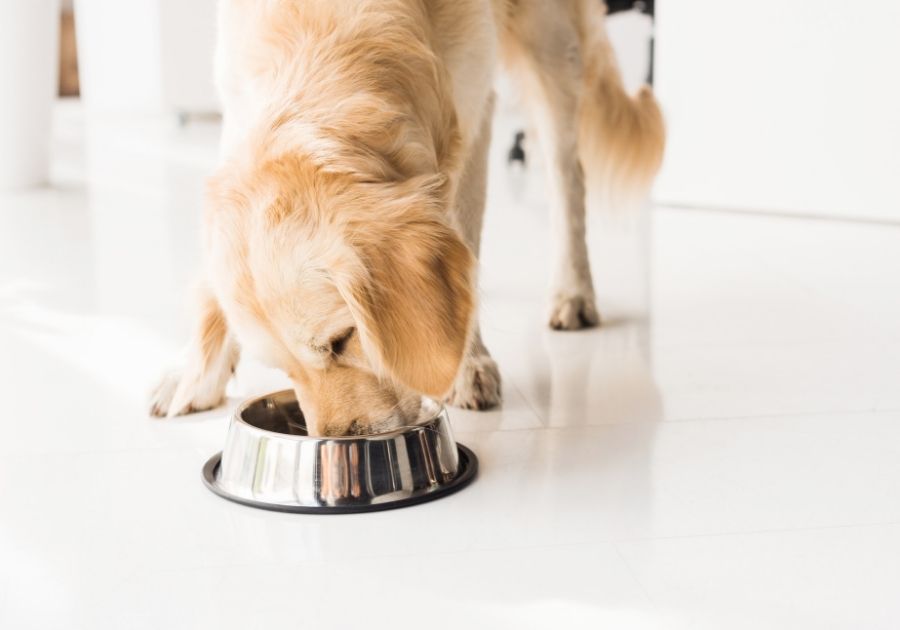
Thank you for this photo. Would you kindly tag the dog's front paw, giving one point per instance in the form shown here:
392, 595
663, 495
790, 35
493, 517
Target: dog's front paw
477, 385
571, 312
176, 395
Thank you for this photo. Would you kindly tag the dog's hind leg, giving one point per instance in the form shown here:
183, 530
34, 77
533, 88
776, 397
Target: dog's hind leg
209, 362
477, 384
540, 45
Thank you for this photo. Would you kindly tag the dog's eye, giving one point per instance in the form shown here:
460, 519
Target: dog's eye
339, 343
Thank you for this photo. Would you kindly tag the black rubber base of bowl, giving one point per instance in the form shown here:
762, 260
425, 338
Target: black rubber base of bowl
468, 469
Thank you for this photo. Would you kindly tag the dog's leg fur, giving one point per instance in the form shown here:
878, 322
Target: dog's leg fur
210, 360
541, 50
477, 384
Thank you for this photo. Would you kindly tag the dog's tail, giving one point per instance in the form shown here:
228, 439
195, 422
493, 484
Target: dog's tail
621, 137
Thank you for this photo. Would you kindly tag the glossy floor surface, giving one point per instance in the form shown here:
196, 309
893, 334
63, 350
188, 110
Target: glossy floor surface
723, 453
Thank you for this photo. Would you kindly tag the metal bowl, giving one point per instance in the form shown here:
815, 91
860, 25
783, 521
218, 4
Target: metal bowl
270, 462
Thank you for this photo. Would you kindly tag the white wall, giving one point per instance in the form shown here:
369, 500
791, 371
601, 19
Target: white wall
781, 105
146, 56
29, 63
119, 59
188, 35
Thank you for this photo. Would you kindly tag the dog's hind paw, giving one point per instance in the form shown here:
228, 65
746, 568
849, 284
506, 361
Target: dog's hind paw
477, 385
574, 312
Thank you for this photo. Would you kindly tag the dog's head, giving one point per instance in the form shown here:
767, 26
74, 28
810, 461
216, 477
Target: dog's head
359, 291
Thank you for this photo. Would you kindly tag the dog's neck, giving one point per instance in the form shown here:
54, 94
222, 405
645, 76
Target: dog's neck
371, 99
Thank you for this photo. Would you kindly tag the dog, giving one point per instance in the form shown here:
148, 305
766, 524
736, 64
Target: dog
342, 227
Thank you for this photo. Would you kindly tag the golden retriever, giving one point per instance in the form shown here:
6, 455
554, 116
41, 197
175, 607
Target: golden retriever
342, 227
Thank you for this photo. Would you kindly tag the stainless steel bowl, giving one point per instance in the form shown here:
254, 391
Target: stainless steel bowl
270, 462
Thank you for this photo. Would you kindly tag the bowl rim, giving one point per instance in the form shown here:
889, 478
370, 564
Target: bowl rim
440, 412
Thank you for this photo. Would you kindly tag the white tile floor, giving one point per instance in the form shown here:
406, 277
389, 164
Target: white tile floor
723, 454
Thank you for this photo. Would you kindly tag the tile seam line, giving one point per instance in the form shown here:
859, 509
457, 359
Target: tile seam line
758, 532
634, 576
540, 418
774, 214
868, 411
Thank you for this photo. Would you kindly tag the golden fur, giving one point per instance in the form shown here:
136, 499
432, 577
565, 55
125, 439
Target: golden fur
622, 138
342, 227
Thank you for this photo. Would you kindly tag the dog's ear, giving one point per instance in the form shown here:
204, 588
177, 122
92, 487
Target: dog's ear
413, 299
